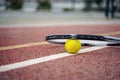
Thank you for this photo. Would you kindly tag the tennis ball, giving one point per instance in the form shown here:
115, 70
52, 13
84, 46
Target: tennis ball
72, 46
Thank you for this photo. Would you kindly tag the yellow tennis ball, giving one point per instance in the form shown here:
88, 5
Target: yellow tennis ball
72, 46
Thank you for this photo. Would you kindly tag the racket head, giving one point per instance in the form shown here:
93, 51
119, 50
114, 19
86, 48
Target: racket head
86, 40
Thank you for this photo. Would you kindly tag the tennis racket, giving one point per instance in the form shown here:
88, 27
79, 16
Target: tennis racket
86, 40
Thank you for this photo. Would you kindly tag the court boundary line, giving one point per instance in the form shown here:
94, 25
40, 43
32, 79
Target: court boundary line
52, 24
23, 45
30, 62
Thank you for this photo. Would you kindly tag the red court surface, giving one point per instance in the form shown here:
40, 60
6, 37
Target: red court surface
18, 45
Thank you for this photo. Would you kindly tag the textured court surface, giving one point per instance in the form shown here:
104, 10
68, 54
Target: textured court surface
24, 54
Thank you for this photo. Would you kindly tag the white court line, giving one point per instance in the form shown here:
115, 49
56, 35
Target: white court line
16, 65
59, 24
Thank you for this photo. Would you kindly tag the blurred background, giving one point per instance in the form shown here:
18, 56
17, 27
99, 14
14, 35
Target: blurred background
52, 5
53, 11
